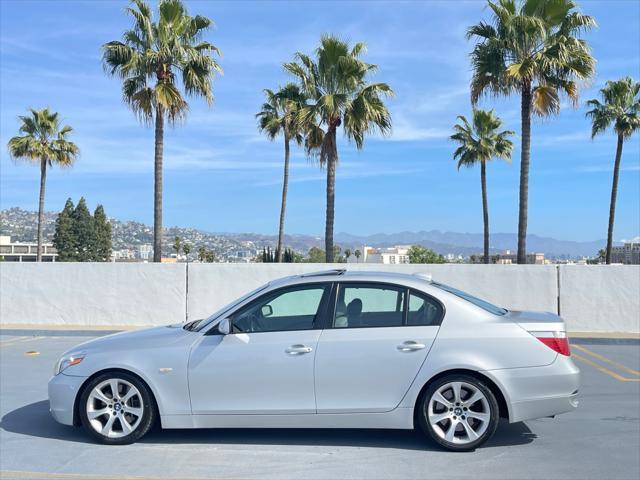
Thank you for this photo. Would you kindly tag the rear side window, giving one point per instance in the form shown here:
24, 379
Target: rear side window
368, 305
423, 310
489, 307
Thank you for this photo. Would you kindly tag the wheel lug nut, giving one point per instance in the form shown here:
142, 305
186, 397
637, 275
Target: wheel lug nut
451, 409
465, 409
454, 417
463, 417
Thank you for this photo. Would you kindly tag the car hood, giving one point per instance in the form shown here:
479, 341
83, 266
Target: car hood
136, 339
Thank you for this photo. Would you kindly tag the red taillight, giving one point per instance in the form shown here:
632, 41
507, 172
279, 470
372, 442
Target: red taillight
556, 341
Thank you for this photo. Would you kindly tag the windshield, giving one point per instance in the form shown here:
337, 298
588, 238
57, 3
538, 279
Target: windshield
203, 323
489, 307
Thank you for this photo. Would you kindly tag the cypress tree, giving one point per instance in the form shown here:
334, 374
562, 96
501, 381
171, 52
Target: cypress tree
84, 232
64, 238
102, 231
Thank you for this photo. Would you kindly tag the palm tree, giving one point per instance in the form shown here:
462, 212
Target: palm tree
45, 141
279, 115
186, 249
480, 142
177, 245
620, 107
357, 254
532, 48
336, 84
347, 254
148, 61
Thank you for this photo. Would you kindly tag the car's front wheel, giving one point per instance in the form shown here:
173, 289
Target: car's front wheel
117, 408
458, 412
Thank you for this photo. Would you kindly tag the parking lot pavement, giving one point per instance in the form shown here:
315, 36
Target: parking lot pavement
600, 440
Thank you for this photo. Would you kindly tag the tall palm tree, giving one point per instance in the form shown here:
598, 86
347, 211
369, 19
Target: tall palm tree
480, 141
531, 48
155, 61
45, 141
620, 107
279, 116
339, 94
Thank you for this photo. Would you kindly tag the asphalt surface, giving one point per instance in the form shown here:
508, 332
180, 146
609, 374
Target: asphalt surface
600, 440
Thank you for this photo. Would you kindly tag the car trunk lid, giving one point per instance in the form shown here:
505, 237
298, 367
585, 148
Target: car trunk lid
547, 327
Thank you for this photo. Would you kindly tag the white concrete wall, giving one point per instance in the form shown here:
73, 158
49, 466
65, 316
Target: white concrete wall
597, 298
600, 298
96, 294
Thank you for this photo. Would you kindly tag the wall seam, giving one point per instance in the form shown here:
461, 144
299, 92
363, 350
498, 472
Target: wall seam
558, 286
186, 293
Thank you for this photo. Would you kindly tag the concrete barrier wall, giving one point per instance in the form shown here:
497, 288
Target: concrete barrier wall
100, 294
595, 298
600, 298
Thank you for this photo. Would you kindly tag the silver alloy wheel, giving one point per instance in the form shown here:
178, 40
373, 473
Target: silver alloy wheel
115, 408
458, 412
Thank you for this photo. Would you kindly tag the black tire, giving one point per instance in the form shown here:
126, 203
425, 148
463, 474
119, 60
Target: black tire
149, 414
428, 429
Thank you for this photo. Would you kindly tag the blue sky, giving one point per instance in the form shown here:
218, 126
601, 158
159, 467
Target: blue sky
222, 175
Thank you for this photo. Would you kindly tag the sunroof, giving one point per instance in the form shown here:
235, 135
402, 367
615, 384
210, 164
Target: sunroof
335, 271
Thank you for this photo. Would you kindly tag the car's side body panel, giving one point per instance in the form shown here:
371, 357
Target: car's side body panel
160, 361
252, 373
399, 418
365, 369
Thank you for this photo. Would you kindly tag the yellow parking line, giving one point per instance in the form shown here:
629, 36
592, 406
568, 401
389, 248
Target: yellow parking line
604, 370
607, 360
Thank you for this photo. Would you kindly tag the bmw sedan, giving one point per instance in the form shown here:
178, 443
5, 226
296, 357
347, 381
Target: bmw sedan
334, 349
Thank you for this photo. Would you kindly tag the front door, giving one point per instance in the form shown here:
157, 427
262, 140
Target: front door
265, 365
374, 347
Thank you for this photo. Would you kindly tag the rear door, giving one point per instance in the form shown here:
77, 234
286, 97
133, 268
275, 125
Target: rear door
377, 339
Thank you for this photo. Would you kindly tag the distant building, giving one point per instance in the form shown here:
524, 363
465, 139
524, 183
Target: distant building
123, 255
628, 254
508, 257
25, 252
145, 252
386, 256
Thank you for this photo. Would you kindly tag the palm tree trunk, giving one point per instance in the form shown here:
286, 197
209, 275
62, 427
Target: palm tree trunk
157, 193
614, 194
525, 157
43, 179
283, 206
485, 209
331, 194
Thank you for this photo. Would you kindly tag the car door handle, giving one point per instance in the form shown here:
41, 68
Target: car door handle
298, 350
410, 346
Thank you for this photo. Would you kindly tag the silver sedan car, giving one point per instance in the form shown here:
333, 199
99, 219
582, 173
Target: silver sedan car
332, 349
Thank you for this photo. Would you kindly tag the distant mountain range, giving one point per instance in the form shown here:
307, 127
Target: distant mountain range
469, 243
21, 225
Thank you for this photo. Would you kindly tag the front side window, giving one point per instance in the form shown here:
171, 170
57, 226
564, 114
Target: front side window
295, 308
364, 305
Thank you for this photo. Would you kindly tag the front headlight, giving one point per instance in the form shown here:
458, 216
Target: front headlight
68, 361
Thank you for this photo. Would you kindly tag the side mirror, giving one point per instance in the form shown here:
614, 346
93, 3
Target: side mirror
224, 327
266, 310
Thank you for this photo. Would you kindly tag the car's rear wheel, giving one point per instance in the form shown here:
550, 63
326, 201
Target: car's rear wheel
117, 408
458, 412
